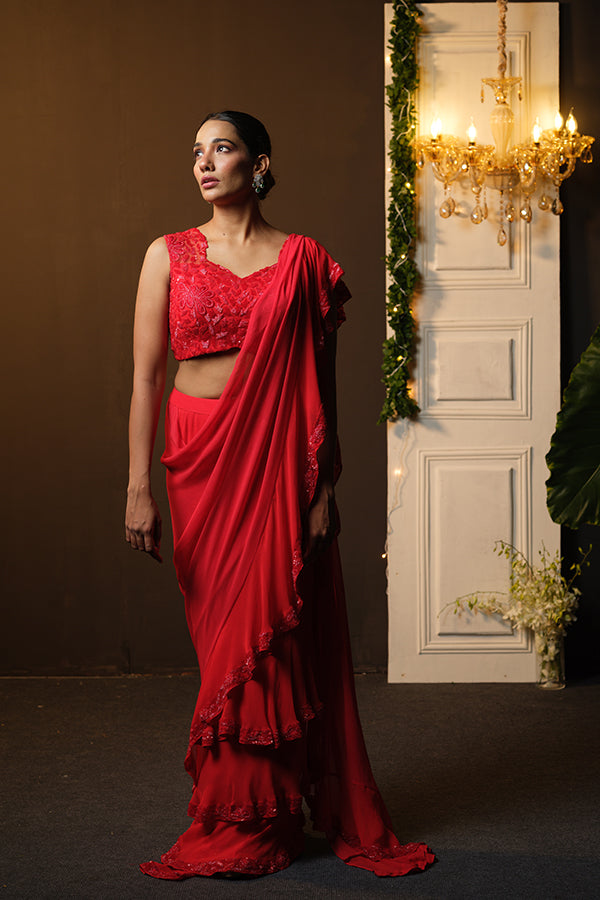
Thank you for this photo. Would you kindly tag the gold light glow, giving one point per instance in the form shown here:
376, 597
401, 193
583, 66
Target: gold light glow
517, 172
436, 128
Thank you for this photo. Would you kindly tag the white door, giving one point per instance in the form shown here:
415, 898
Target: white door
470, 471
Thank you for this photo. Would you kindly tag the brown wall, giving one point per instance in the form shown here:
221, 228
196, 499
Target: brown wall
100, 104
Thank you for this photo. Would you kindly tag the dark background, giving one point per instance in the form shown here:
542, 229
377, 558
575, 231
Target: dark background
101, 101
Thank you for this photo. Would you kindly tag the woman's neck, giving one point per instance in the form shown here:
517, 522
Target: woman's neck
236, 223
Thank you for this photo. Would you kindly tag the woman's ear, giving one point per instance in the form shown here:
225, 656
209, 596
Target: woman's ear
262, 164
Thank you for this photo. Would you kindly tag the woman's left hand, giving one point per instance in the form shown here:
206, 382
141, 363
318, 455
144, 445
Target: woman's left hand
321, 522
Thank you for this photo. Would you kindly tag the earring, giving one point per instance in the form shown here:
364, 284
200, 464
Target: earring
258, 183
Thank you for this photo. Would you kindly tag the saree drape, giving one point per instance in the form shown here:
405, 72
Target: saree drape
276, 719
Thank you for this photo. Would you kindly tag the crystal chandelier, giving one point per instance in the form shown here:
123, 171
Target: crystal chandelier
537, 166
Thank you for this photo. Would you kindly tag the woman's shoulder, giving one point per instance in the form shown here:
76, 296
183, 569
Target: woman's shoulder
312, 242
189, 234
157, 251
316, 250
156, 260
183, 245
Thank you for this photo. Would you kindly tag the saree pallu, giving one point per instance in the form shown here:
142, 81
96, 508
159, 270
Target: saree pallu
276, 719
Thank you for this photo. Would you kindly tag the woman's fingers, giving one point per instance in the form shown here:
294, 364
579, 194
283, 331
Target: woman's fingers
320, 525
146, 541
143, 527
155, 554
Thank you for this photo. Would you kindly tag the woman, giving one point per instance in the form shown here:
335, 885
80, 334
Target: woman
251, 463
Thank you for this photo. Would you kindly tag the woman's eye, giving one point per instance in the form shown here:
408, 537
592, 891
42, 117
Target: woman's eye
222, 147
197, 154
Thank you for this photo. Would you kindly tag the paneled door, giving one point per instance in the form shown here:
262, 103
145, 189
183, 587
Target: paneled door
470, 471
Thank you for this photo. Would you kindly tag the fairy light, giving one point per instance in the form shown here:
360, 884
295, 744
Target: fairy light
401, 96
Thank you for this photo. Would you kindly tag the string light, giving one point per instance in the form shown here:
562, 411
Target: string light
401, 268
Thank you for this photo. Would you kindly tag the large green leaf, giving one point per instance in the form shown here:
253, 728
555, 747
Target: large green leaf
574, 455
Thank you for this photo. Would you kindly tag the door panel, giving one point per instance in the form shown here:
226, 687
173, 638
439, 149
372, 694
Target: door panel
470, 470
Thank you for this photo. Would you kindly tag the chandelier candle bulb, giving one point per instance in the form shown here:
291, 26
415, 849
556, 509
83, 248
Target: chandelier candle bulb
472, 134
558, 121
571, 124
537, 132
436, 128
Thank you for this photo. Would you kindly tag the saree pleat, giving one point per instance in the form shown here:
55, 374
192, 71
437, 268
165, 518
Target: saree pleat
276, 717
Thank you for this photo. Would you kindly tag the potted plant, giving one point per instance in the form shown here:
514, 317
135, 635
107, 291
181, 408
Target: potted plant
539, 598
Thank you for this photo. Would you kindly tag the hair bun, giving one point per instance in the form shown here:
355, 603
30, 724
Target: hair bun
269, 182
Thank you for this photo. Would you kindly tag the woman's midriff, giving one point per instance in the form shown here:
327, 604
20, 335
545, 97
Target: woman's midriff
205, 376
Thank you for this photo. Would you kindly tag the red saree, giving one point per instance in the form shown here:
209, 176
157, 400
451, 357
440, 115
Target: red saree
276, 718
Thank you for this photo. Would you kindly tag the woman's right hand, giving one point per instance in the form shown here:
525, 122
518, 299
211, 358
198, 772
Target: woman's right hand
143, 525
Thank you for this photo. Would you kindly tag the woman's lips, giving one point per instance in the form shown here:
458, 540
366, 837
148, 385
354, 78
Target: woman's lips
209, 182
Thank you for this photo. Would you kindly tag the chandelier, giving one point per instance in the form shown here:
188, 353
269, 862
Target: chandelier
536, 167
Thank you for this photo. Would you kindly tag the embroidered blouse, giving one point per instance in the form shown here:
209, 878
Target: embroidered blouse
210, 306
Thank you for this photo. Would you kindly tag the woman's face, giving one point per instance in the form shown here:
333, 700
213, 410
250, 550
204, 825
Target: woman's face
222, 165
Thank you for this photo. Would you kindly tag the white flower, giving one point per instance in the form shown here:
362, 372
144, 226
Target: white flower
539, 596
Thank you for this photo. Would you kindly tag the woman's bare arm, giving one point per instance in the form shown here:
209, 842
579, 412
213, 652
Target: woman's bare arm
150, 345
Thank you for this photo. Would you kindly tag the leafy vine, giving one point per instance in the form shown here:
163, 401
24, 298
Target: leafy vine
401, 216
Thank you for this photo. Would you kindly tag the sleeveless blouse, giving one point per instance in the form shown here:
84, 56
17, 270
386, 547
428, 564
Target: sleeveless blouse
210, 306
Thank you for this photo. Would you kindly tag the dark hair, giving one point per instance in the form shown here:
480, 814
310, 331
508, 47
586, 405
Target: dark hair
254, 135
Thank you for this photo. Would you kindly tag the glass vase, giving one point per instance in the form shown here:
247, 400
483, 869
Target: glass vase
550, 653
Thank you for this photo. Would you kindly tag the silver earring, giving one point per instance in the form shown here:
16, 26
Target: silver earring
258, 183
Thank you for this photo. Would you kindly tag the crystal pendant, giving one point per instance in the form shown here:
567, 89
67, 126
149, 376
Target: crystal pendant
484, 209
527, 177
477, 215
420, 160
502, 236
557, 207
544, 202
525, 212
446, 209
510, 213
586, 156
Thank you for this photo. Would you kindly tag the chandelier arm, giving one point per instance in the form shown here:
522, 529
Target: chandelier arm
447, 173
560, 175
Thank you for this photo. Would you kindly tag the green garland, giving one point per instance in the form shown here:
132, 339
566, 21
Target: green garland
401, 219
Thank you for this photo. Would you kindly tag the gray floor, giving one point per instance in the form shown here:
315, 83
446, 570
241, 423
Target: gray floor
501, 780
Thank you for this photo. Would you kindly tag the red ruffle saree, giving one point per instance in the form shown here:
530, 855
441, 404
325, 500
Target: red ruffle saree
276, 718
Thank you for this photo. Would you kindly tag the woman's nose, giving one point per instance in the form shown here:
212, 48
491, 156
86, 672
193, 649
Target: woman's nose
206, 162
